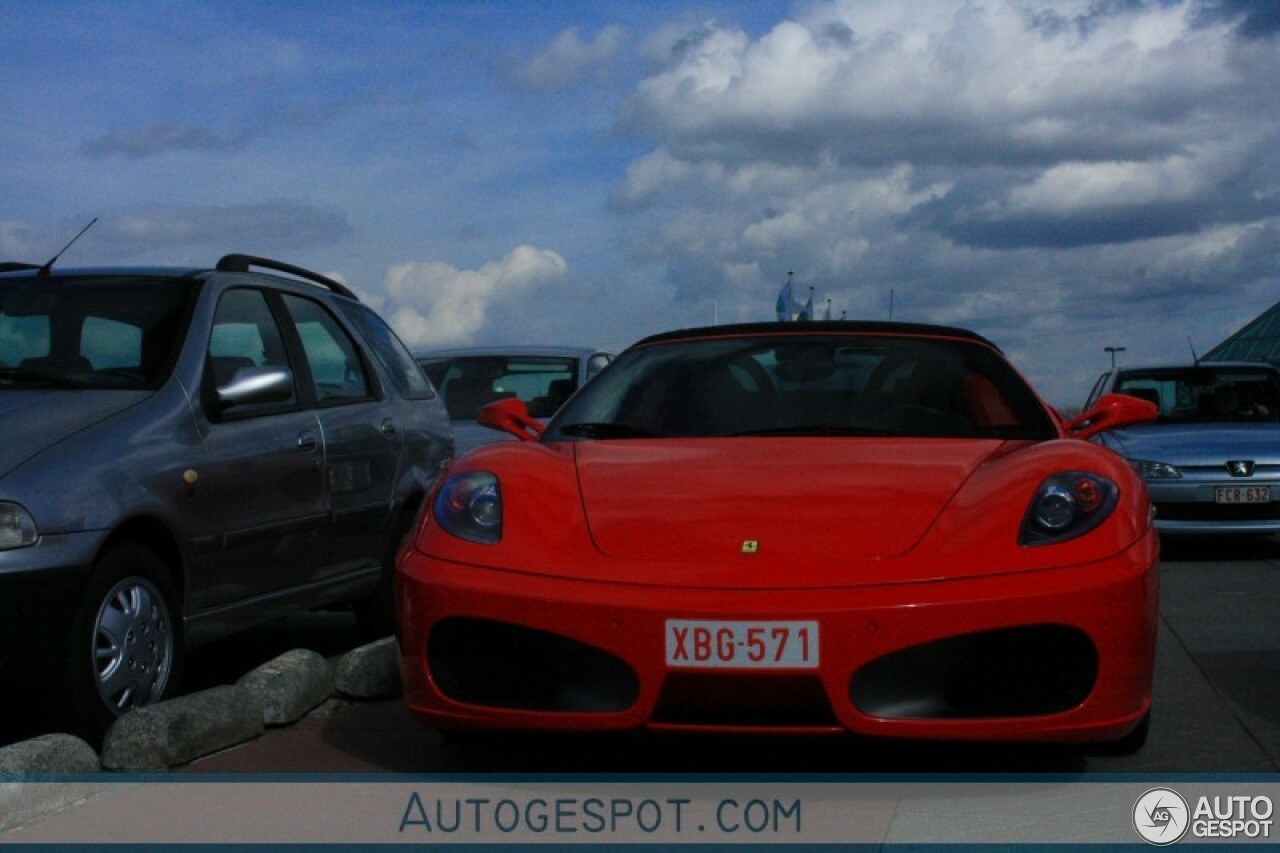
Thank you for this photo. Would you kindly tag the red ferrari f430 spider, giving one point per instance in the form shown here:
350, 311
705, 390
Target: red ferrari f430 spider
873, 528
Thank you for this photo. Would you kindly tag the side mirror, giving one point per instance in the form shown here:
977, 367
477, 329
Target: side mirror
1112, 411
510, 416
255, 386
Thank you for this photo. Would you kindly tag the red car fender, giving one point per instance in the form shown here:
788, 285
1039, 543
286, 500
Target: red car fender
984, 518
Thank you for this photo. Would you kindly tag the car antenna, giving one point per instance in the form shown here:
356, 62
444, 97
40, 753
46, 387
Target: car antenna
1195, 359
48, 266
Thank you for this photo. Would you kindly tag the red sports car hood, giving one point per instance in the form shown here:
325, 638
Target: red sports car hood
700, 500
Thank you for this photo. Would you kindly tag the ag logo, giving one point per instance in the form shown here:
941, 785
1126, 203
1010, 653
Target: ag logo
1161, 816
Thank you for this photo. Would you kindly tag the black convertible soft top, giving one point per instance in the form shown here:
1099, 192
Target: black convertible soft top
817, 327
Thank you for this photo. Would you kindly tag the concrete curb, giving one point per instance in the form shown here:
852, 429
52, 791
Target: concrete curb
370, 672
24, 798
289, 686
55, 753
167, 734
174, 732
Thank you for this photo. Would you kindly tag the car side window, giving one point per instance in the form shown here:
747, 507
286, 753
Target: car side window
391, 353
244, 334
338, 374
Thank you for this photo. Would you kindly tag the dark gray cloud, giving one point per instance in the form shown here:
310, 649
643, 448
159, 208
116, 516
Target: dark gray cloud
975, 214
160, 138
1254, 18
199, 233
163, 137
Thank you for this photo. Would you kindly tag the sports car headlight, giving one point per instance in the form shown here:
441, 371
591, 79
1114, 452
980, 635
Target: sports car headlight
17, 527
1067, 505
469, 506
1155, 470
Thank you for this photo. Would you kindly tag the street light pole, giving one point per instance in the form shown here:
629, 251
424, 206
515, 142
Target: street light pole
1113, 351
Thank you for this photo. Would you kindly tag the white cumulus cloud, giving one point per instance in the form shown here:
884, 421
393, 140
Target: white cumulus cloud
432, 303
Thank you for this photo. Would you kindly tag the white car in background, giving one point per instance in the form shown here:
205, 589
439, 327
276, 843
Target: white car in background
541, 376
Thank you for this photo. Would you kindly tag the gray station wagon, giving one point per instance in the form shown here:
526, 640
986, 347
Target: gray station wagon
188, 452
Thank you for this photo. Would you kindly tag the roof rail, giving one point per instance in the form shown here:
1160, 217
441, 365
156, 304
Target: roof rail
15, 266
242, 263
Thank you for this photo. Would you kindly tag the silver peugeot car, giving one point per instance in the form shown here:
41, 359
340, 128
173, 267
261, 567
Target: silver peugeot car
1212, 460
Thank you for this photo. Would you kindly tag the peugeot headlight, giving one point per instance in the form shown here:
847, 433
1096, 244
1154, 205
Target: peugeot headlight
1067, 505
1155, 470
469, 506
17, 527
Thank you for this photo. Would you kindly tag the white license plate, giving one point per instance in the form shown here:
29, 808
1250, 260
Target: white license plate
1242, 494
742, 645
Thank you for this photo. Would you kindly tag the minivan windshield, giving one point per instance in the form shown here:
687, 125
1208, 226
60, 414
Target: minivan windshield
1204, 393
108, 332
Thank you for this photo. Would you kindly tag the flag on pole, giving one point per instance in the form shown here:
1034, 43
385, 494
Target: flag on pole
806, 310
786, 306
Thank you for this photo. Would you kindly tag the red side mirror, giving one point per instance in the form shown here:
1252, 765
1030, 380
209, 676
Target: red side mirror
1112, 411
511, 416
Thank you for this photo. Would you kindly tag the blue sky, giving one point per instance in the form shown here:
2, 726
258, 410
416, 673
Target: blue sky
1060, 176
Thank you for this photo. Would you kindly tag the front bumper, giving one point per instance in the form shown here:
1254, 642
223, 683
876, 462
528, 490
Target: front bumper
1063, 655
1190, 506
40, 590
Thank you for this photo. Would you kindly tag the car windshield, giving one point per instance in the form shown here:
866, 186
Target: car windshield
468, 382
1202, 394
109, 333
806, 385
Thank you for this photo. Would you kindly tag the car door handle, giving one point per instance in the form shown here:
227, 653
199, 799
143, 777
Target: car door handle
389, 428
307, 442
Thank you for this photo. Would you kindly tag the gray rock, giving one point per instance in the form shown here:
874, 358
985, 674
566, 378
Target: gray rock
176, 731
55, 753
371, 671
28, 791
290, 685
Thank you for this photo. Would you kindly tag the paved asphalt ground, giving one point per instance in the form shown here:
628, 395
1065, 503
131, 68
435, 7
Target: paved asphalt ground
1217, 705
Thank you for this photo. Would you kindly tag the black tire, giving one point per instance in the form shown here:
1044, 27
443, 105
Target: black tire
125, 648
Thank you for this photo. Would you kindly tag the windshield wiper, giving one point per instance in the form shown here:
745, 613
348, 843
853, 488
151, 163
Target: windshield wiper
604, 430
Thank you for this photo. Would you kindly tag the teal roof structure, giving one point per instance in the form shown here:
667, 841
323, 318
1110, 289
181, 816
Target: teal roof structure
1259, 340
